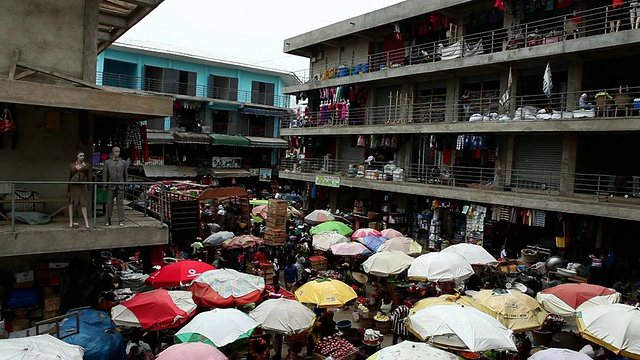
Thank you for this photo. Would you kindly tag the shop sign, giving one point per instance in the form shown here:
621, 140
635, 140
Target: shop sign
226, 162
328, 180
265, 175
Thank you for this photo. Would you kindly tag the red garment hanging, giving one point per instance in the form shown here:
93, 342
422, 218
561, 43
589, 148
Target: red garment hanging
500, 5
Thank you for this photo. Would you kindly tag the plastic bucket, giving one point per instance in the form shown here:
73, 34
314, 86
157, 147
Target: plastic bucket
343, 324
343, 71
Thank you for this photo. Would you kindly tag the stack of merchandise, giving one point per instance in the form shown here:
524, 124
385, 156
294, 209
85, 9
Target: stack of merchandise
275, 233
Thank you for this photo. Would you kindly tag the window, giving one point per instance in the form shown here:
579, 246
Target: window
222, 87
169, 81
262, 93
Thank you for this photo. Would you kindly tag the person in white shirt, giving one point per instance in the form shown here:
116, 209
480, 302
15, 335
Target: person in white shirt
592, 350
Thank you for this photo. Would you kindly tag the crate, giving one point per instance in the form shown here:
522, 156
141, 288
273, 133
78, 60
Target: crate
274, 236
51, 303
318, 262
301, 339
276, 223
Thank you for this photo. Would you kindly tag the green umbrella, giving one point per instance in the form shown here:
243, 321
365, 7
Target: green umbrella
257, 219
258, 202
341, 228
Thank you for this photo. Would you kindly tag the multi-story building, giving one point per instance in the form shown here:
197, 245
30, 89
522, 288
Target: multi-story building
226, 115
467, 144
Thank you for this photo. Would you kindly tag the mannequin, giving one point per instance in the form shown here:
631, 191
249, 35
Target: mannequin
80, 172
115, 170
615, 15
634, 11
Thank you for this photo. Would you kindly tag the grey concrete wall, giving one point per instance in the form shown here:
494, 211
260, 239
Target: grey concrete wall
345, 53
49, 33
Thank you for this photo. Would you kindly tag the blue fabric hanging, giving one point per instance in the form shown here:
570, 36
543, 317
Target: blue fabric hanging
314, 192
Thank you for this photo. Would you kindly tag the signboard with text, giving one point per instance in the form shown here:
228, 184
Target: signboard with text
265, 174
218, 162
328, 180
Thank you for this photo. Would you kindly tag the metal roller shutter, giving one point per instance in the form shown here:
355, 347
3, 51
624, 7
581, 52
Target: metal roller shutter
538, 161
348, 153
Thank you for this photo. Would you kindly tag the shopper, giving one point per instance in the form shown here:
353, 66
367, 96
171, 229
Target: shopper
399, 328
596, 268
290, 276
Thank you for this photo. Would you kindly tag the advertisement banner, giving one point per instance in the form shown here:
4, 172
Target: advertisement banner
265, 175
328, 180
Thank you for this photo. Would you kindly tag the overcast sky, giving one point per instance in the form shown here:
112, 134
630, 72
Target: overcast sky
247, 31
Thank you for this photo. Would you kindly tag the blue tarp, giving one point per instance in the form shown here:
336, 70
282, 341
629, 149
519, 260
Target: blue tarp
97, 336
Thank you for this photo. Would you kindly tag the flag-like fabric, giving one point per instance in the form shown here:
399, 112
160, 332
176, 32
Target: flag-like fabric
547, 84
507, 94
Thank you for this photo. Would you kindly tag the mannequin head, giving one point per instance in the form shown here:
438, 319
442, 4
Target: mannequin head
80, 157
115, 152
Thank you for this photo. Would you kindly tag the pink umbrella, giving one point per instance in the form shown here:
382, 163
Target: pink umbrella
391, 233
191, 350
349, 249
360, 233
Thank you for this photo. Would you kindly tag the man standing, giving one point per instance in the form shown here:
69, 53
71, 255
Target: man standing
290, 276
115, 170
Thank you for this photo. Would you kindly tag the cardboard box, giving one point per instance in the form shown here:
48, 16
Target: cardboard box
23, 285
51, 303
24, 276
35, 313
50, 314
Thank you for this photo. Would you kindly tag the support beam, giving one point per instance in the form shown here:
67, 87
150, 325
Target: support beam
112, 20
24, 74
104, 36
144, 3
60, 76
14, 64
135, 16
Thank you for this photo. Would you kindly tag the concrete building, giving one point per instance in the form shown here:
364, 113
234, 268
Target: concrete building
48, 77
423, 82
221, 109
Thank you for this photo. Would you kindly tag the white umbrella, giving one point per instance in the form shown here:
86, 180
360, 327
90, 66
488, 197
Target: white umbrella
615, 327
218, 238
387, 263
283, 316
41, 347
440, 267
410, 350
391, 233
218, 327
318, 217
477, 330
323, 241
401, 243
475, 254
559, 354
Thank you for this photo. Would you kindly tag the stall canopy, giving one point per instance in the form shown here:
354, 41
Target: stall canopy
159, 138
267, 142
191, 138
226, 139
169, 171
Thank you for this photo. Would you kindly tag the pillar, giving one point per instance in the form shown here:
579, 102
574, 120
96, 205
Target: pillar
569, 155
509, 149
454, 109
574, 84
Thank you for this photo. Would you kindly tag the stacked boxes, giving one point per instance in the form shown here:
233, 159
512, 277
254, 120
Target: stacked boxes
275, 233
275, 237
318, 262
267, 270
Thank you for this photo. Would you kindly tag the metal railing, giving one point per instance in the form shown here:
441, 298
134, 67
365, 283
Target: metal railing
24, 196
550, 30
606, 103
482, 178
192, 89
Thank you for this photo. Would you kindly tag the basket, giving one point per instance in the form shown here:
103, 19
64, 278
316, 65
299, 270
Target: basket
23, 194
383, 326
366, 323
529, 255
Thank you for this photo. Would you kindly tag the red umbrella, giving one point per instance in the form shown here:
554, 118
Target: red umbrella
360, 233
178, 274
155, 310
226, 288
569, 299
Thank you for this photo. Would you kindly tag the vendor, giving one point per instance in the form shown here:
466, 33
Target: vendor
328, 325
583, 104
386, 304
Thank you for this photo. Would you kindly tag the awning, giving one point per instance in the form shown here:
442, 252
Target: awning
159, 138
226, 139
267, 142
264, 112
229, 173
168, 171
191, 138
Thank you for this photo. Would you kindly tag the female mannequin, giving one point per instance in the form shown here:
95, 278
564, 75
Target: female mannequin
80, 172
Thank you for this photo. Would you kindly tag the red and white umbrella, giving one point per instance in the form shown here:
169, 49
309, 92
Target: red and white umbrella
391, 233
178, 274
318, 217
241, 242
260, 210
349, 249
570, 299
226, 288
155, 310
360, 233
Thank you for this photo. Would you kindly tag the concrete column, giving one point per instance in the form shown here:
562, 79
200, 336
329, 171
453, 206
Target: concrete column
574, 84
600, 232
333, 198
90, 43
569, 154
509, 157
513, 102
454, 109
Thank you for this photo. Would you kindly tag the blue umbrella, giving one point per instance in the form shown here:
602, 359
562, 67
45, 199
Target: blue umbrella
292, 197
373, 242
219, 237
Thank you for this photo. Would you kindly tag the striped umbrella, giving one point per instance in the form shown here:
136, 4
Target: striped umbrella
217, 327
242, 242
155, 310
318, 217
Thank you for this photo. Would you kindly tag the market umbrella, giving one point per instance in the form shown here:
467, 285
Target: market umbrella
192, 351
41, 347
387, 263
226, 288
292, 197
323, 241
341, 228
177, 274
443, 300
318, 217
155, 310
217, 327
401, 243
282, 316
325, 293
242, 242
515, 310
440, 267
391, 233
260, 211
615, 327
258, 202
477, 331
559, 354
219, 237
373, 242
475, 254
360, 233
410, 350
570, 299
349, 249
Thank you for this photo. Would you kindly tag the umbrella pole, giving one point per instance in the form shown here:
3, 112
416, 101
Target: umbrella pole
278, 346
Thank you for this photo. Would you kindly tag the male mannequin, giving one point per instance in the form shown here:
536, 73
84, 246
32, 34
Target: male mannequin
80, 172
115, 170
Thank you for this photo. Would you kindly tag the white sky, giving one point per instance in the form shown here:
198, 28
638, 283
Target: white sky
247, 31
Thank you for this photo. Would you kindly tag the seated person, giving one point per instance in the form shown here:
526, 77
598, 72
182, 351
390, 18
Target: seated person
584, 104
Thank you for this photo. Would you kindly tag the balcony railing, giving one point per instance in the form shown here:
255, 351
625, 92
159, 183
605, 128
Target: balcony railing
602, 103
550, 30
136, 196
601, 186
192, 89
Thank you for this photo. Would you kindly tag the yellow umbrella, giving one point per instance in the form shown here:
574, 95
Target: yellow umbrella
444, 300
324, 293
515, 310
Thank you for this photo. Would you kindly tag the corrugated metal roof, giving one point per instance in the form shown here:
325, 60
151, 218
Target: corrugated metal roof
168, 171
115, 17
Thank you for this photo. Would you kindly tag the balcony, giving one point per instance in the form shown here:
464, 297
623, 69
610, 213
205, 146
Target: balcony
206, 93
526, 41
481, 115
19, 238
588, 194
